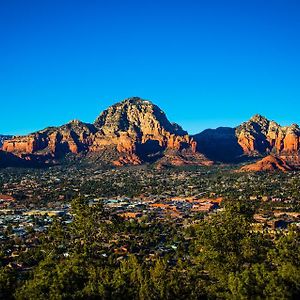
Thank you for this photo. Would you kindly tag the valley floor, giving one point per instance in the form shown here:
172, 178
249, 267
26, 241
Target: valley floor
142, 233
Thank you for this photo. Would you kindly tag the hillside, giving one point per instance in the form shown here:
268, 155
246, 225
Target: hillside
269, 163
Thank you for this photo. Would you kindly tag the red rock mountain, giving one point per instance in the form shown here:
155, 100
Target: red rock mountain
130, 132
256, 137
73, 137
259, 135
135, 131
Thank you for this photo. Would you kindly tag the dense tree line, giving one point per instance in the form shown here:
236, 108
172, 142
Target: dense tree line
220, 257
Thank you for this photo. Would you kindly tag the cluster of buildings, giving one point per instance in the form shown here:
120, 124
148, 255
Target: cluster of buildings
176, 208
30, 200
276, 220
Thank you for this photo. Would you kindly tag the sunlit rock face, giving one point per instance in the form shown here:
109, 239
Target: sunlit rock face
138, 126
269, 163
136, 129
260, 135
73, 137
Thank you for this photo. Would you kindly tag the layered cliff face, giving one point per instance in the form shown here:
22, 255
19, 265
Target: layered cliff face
73, 137
130, 132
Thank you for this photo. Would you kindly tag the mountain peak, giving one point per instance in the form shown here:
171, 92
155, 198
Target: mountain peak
257, 118
75, 122
136, 100
136, 116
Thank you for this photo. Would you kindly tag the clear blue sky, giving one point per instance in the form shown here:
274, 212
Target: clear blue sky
205, 63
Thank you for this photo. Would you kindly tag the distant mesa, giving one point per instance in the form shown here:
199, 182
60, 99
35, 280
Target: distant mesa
136, 131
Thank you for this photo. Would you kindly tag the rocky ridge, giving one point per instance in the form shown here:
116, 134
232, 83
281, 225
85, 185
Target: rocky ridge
254, 138
134, 130
260, 135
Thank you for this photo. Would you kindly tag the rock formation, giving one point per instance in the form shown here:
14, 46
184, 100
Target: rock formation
259, 135
73, 137
182, 158
137, 130
268, 163
256, 137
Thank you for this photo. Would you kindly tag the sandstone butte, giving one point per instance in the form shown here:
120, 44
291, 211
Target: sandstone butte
136, 129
